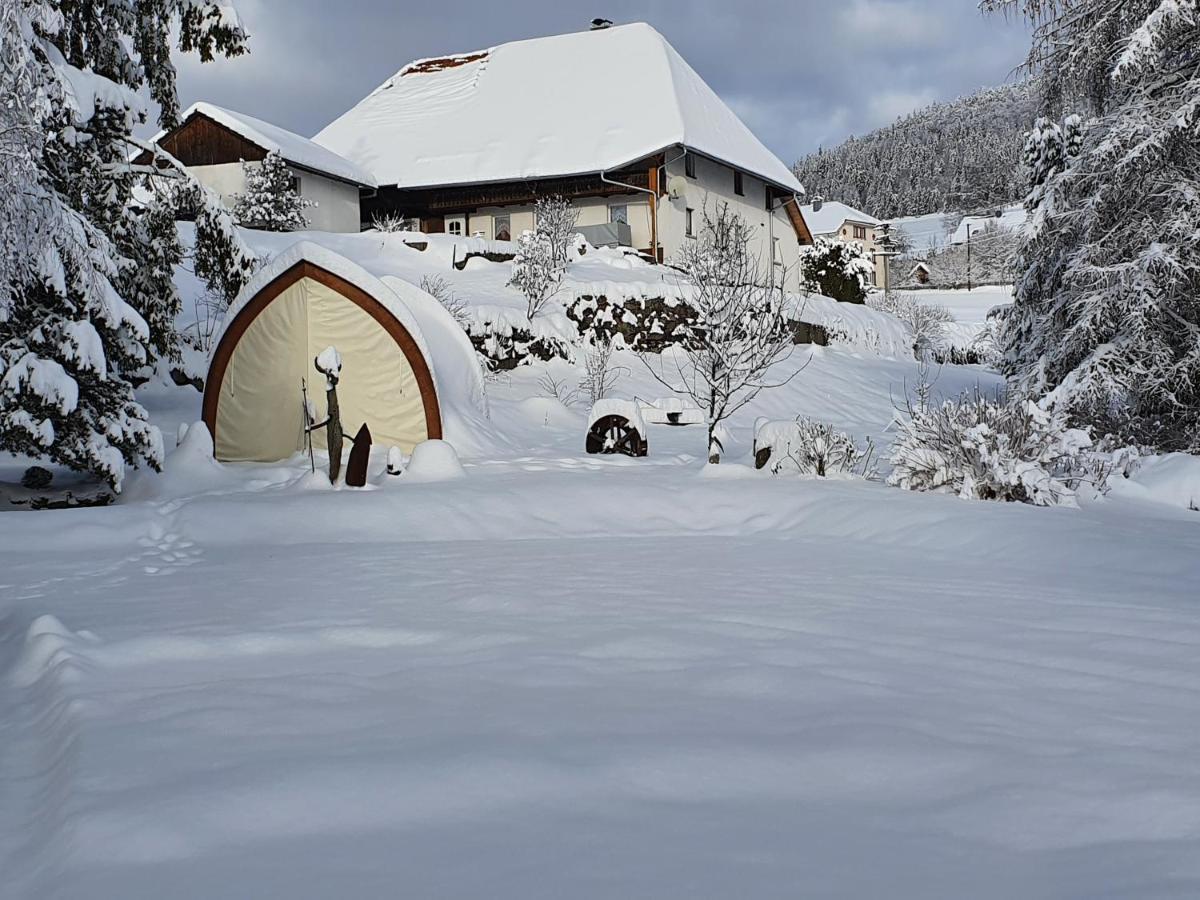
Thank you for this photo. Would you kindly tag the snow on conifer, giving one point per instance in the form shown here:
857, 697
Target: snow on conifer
86, 296
271, 201
837, 269
955, 156
1106, 316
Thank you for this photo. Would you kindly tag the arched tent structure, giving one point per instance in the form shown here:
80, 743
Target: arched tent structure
309, 298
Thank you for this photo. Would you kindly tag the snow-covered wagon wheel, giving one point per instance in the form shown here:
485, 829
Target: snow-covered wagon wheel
615, 434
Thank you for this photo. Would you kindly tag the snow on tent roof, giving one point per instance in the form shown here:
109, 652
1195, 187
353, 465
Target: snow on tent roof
831, 215
335, 263
292, 147
554, 106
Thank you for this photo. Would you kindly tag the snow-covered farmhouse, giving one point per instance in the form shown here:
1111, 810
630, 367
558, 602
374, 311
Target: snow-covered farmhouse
841, 222
612, 119
214, 143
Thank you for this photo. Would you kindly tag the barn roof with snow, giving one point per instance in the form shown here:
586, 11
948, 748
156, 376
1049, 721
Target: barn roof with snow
297, 150
526, 110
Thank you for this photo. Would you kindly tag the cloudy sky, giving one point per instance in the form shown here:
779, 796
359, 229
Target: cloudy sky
801, 73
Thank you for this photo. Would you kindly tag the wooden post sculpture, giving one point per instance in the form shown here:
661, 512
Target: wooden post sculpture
360, 455
329, 364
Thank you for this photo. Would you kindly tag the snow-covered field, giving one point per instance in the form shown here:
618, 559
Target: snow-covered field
572, 676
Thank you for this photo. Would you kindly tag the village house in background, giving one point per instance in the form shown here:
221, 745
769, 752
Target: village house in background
218, 145
840, 222
613, 119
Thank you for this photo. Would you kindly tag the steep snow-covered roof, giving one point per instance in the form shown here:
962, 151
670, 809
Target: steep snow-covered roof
292, 147
554, 106
1011, 218
831, 215
924, 233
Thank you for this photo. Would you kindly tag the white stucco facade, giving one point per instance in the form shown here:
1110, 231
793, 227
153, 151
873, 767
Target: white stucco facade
337, 202
713, 184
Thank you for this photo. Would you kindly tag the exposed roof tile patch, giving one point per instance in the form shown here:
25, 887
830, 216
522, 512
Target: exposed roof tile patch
429, 66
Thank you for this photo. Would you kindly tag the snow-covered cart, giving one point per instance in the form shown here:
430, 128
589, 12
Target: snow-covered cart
617, 426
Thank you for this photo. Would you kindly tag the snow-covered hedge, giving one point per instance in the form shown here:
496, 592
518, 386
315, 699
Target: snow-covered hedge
926, 322
855, 326
506, 339
647, 324
808, 447
991, 449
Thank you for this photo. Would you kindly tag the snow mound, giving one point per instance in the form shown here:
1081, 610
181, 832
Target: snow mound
1173, 480
47, 650
433, 461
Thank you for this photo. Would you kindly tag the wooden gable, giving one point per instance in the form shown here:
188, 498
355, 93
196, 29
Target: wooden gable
200, 141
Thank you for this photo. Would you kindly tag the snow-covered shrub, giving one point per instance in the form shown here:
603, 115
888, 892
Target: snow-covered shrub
37, 478
534, 271
843, 271
556, 219
439, 289
926, 322
991, 449
559, 389
809, 447
600, 376
271, 201
392, 223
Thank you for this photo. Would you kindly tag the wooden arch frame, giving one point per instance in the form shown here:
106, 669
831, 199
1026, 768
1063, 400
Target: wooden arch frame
352, 292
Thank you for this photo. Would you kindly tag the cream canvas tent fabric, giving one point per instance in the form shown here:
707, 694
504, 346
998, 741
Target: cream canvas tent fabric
309, 299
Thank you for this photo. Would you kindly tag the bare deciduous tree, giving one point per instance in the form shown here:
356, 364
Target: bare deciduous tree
742, 325
600, 375
534, 273
557, 220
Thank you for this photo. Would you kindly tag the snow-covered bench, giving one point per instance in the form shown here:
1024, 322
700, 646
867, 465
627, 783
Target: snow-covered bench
617, 426
671, 411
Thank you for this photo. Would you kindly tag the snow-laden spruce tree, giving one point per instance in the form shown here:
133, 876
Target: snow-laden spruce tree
1106, 318
86, 296
741, 330
837, 269
270, 202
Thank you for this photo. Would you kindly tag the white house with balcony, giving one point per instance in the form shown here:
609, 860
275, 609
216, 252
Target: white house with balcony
613, 119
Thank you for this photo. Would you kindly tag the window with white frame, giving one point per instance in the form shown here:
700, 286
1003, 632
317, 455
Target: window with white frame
456, 226
619, 213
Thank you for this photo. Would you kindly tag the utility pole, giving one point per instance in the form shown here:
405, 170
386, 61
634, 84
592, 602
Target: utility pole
968, 256
885, 249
